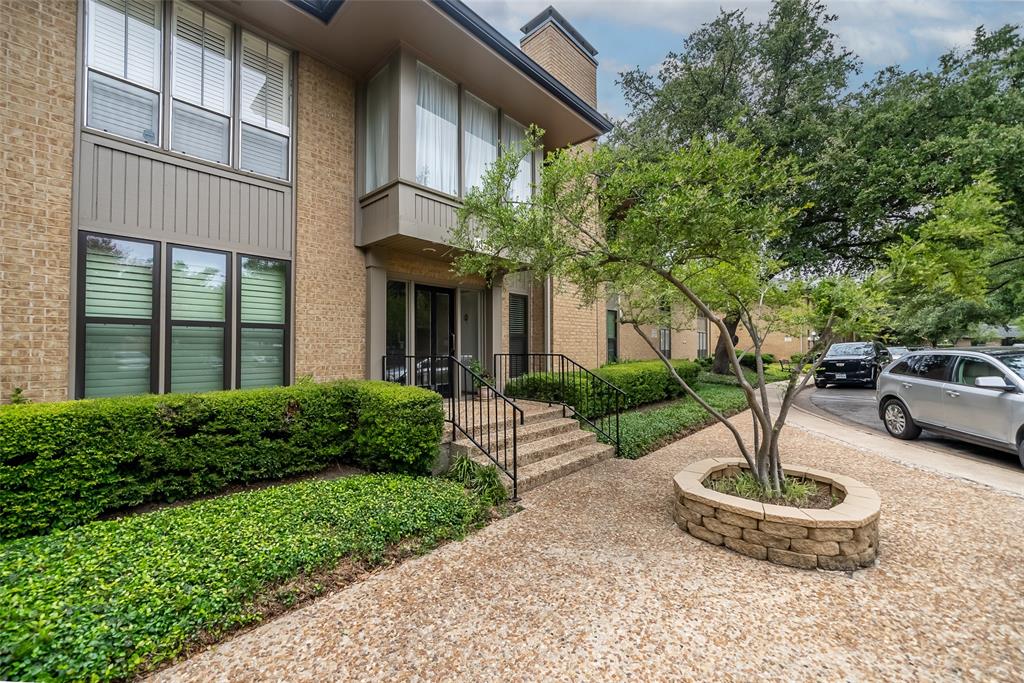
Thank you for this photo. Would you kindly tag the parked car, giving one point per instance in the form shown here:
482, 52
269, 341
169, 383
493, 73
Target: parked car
857, 363
974, 395
897, 351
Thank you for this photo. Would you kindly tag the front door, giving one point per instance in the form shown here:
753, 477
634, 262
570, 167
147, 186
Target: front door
518, 333
434, 320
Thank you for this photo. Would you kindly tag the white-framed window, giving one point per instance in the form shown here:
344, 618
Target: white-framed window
378, 122
124, 51
126, 84
513, 134
266, 100
201, 84
479, 140
437, 131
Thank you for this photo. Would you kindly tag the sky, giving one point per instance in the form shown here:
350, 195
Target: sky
631, 33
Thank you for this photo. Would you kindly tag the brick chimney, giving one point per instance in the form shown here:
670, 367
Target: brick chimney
551, 41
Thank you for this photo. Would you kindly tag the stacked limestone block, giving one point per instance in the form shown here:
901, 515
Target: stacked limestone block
844, 537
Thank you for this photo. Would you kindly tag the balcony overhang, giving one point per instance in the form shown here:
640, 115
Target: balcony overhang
357, 36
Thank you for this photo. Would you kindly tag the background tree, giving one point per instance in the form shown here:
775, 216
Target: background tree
780, 81
692, 228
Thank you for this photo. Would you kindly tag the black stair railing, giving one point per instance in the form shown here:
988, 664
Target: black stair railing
476, 409
555, 378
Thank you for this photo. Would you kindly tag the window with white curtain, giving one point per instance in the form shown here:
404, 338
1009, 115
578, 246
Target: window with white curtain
124, 49
514, 134
201, 108
437, 126
265, 107
480, 141
378, 114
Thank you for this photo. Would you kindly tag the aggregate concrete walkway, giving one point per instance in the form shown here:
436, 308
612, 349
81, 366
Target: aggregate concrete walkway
593, 581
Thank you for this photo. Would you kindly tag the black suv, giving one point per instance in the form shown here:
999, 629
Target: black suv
857, 363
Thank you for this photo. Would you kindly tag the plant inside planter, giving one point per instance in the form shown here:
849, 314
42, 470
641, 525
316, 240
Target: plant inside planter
481, 378
796, 491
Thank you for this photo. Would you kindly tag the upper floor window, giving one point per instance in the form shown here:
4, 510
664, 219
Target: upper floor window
378, 120
514, 134
265, 107
437, 126
201, 108
125, 81
480, 141
124, 65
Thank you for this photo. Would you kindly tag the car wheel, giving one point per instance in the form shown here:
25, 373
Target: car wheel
820, 383
1020, 451
898, 421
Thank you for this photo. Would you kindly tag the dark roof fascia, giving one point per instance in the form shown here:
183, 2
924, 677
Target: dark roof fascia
324, 10
490, 36
553, 16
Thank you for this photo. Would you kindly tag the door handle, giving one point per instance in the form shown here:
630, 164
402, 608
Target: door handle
952, 394
907, 385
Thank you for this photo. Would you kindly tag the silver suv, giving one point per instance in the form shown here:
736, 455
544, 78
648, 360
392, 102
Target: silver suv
975, 395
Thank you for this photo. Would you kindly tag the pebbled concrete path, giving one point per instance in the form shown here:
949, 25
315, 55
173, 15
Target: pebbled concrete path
593, 581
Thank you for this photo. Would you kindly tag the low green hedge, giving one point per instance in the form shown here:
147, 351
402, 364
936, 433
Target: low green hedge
63, 464
642, 431
109, 600
749, 360
642, 382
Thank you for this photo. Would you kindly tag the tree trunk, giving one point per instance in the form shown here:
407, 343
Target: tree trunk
721, 365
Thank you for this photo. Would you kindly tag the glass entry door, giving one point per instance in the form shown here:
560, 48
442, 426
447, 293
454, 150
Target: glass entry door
434, 323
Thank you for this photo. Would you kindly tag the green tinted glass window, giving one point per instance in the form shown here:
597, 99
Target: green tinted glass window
263, 290
262, 357
198, 282
118, 278
116, 337
262, 321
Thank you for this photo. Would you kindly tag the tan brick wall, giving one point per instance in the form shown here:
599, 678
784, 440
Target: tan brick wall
633, 347
578, 330
330, 274
550, 48
427, 269
37, 106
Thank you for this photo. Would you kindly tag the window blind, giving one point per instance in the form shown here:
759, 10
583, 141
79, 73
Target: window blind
198, 282
118, 283
514, 135
262, 322
264, 152
265, 86
202, 59
124, 39
200, 133
378, 114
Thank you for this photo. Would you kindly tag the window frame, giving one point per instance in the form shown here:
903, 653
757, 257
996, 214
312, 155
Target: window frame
171, 323
88, 68
611, 321
286, 377
83, 320
166, 99
947, 369
955, 371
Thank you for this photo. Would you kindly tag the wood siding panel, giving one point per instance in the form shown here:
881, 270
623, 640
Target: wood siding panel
127, 190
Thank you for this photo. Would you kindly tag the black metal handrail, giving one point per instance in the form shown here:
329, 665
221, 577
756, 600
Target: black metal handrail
555, 378
476, 408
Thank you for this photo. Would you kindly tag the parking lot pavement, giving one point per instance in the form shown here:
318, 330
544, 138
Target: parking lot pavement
855, 408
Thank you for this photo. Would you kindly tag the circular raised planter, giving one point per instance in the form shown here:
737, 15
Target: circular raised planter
841, 538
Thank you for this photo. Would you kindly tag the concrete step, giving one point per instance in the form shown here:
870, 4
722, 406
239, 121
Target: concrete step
539, 473
552, 446
525, 433
533, 413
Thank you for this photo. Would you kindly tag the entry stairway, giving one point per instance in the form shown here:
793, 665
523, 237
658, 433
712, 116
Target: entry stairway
548, 444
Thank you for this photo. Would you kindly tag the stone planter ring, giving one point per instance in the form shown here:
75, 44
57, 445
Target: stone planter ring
843, 537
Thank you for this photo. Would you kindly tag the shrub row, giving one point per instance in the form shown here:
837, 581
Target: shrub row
108, 600
642, 382
63, 464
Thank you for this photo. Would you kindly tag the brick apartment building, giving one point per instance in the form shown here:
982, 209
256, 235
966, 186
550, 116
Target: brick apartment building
208, 195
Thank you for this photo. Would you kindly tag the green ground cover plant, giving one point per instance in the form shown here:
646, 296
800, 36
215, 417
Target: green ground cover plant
795, 491
109, 600
63, 464
642, 431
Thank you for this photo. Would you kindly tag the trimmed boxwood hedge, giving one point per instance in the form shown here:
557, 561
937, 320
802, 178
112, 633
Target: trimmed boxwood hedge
643, 382
63, 464
109, 600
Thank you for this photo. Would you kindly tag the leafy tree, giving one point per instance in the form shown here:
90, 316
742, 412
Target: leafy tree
779, 81
691, 228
